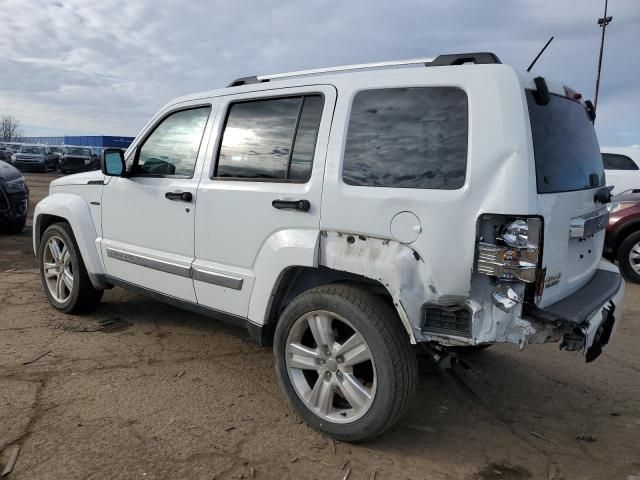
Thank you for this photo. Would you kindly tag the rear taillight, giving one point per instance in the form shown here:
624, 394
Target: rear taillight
508, 250
512, 253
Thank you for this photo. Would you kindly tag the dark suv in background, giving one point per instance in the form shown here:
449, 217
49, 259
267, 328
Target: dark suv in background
38, 157
14, 199
79, 159
8, 149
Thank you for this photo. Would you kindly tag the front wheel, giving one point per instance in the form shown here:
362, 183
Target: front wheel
629, 257
64, 276
345, 361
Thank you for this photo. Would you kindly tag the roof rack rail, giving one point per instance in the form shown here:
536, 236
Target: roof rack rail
439, 61
342, 68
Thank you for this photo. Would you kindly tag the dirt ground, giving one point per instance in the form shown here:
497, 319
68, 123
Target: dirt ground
144, 390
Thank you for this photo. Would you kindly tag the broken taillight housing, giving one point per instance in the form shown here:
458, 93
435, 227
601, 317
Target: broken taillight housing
509, 248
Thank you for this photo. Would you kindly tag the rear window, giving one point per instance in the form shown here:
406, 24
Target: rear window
407, 138
566, 149
614, 161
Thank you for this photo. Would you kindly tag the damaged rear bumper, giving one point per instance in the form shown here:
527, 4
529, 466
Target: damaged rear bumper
588, 318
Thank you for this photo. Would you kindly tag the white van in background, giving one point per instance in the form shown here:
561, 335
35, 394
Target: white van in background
622, 167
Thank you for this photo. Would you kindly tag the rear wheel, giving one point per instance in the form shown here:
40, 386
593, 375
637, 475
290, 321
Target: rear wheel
64, 276
345, 361
629, 257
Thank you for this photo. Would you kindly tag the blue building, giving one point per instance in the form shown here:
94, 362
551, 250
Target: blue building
81, 141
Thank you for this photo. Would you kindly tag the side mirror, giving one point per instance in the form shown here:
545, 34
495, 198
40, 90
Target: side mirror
113, 163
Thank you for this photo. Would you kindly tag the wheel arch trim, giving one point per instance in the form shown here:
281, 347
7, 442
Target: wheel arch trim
74, 210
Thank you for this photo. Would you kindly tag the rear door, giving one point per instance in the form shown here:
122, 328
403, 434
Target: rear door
261, 189
569, 173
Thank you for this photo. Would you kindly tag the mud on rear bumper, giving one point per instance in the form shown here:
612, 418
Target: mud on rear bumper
588, 317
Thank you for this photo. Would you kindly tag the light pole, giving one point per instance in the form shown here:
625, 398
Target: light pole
603, 22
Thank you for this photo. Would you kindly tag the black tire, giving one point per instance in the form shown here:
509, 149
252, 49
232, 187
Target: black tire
395, 360
83, 297
624, 261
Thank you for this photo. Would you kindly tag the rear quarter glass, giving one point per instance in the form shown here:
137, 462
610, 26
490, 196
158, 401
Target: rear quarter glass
408, 138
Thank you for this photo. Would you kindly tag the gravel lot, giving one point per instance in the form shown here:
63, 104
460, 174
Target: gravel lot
143, 390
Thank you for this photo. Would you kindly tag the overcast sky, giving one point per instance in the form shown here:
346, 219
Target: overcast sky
104, 67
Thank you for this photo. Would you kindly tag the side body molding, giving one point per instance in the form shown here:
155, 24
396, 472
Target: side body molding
75, 210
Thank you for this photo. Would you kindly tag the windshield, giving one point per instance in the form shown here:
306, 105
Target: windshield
54, 149
566, 149
85, 152
32, 150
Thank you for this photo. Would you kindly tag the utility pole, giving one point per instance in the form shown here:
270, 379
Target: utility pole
603, 22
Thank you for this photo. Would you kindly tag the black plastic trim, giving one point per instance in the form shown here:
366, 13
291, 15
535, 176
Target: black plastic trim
480, 58
541, 93
246, 81
579, 307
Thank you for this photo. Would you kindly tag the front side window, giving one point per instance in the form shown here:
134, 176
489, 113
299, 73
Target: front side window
172, 148
407, 138
271, 139
614, 161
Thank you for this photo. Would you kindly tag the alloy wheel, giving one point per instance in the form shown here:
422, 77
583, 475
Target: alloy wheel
58, 269
331, 367
634, 258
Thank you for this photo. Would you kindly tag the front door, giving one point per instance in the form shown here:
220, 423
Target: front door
148, 216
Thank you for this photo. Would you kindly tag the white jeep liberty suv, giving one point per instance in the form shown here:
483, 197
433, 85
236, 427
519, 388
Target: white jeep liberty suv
345, 215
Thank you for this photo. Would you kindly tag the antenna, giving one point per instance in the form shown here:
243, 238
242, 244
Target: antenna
603, 22
538, 56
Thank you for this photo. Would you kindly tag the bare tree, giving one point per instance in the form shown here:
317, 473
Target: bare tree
9, 128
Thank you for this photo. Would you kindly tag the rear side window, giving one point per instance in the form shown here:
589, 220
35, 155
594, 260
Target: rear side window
566, 149
407, 138
271, 139
614, 161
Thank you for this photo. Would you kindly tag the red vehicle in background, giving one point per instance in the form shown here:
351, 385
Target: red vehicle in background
622, 241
